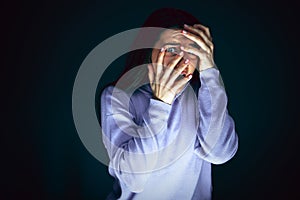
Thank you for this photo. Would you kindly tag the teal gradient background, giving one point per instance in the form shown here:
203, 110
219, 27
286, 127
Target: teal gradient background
256, 50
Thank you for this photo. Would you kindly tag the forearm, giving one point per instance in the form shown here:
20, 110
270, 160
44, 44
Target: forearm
133, 149
217, 139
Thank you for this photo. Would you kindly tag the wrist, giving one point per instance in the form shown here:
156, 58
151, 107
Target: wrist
162, 100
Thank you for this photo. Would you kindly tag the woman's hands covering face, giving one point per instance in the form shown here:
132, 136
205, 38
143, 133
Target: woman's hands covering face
166, 81
201, 36
166, 75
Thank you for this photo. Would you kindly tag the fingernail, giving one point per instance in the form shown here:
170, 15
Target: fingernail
186, 25
186, 61
181, 53
181, 47
183, 32
162, 49
190, 76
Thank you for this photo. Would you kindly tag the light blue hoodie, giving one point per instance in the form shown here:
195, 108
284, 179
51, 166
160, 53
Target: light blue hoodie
161, 151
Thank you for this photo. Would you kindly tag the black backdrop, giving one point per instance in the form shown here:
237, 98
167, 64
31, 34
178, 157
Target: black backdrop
44, 44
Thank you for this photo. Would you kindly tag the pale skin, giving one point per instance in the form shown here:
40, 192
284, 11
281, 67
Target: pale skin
176, 55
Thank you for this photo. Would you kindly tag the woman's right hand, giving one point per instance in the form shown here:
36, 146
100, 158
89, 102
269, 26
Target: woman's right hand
164, 80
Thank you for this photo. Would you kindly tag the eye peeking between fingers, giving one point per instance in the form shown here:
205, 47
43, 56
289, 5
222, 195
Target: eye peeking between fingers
172, 51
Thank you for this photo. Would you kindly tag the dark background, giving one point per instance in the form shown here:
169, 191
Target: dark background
44, 44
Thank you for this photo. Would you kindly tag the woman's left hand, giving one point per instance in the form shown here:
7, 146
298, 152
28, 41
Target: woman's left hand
201, 36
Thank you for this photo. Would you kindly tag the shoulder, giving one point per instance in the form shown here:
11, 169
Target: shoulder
135, 102
112, 92
141, 94
109, 90
137, 99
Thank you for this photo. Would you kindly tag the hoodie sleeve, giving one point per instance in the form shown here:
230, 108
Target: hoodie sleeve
217, 141
133, 149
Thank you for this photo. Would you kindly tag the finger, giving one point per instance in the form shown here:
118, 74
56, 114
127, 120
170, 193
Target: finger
180, 83
175, 61
159, 64
150, 74
165, 77
193, 50
197, 40
201, 33
198, 31
178, 71
205, 29
161, 55
202, 55
170, 67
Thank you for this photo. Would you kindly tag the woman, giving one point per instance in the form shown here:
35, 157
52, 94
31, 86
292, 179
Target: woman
164, 125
